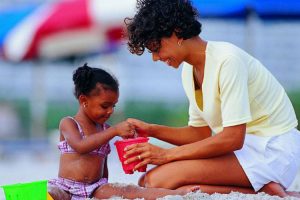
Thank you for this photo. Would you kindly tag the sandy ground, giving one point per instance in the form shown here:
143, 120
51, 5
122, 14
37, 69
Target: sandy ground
231, 196
19, 167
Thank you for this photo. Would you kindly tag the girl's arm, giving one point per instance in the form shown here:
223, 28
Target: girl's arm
69, 130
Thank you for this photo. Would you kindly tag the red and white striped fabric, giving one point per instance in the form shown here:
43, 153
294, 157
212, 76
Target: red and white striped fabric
68, 27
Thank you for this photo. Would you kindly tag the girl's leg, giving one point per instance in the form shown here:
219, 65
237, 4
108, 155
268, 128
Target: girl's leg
132, 191
58, 194
211, 189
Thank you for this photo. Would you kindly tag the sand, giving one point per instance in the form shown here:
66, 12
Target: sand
203, 196
216, 196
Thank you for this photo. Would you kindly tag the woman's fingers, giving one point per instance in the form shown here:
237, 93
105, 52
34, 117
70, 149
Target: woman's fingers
142, 163
140, 126
134, 149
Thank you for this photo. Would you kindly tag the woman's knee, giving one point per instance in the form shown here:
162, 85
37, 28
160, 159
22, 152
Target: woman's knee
154, 179
141, 181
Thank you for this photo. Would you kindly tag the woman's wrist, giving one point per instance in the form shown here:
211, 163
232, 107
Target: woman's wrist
170, 155
152, 130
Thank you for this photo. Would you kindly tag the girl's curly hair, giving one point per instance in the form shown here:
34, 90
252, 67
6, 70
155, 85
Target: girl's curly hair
156, 19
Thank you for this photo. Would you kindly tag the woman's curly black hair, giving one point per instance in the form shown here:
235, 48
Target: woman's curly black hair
86, 78
156, 19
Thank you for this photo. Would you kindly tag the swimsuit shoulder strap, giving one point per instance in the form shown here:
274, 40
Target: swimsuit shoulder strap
78, 125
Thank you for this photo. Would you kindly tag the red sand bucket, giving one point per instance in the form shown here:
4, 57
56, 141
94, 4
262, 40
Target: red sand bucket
120, 145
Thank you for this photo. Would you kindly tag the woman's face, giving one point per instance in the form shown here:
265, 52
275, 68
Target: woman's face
170, 52
100, 106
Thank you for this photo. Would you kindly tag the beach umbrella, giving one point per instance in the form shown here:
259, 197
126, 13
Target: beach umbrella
222, 8
276, 9
57, 30
64, 28
265, 9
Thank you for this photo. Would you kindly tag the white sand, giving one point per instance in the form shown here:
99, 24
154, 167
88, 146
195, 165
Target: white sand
43, 165
216, 196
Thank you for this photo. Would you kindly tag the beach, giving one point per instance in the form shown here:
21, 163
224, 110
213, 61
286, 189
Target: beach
42, 164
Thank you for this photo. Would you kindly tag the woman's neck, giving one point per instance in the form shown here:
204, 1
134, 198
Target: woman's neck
196, 48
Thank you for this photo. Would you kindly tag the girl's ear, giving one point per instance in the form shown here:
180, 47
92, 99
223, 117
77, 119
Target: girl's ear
82, 100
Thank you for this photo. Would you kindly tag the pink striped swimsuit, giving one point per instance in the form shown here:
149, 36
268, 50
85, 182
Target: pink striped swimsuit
79, 190
103, 150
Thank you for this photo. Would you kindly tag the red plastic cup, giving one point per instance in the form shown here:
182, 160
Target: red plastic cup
120, 145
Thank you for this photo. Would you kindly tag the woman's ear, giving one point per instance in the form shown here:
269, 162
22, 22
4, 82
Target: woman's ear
82, 100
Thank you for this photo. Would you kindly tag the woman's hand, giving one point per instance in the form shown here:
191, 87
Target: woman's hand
147, 153
142, 128
124, 129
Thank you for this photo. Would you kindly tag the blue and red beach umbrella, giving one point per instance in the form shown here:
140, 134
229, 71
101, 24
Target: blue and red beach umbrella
62, 28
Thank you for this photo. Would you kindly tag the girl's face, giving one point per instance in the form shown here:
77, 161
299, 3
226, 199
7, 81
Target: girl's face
99, 106
170, 51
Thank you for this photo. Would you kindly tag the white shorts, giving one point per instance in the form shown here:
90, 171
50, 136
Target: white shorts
266, 159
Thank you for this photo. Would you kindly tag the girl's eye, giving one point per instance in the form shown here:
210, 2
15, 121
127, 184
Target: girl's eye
104, 106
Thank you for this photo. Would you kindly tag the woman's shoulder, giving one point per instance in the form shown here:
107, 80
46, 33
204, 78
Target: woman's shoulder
225, 49
221, 47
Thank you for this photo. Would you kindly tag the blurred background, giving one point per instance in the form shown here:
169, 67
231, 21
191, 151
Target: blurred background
42, 42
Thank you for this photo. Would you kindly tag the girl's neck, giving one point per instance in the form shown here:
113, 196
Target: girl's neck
81, 117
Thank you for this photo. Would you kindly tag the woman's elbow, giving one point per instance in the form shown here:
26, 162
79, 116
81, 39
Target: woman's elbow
237, 143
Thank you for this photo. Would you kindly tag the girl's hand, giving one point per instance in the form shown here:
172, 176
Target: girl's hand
124, 129
147, 153
142, 128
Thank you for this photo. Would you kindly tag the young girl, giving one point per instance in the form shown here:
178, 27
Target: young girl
84, 143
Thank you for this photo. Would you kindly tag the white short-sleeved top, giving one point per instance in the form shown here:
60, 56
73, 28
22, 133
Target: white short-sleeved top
237, 89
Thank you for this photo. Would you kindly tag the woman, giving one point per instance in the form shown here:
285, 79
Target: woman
241, 133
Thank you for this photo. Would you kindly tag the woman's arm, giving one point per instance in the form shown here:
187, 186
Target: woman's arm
229, 140
173, 135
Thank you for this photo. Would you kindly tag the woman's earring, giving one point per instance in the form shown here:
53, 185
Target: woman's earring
84, 105
179, 43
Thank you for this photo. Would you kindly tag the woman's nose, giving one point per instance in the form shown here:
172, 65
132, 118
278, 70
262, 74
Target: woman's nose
155, 56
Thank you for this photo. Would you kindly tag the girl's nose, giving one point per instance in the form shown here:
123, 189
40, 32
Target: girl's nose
110, 110
155, 56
